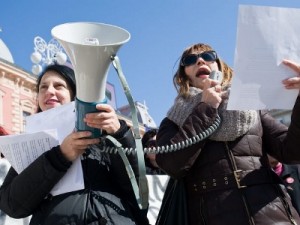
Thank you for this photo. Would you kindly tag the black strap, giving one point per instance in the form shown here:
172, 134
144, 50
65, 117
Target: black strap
109, 203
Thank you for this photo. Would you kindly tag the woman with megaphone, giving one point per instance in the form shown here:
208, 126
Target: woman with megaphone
108, 197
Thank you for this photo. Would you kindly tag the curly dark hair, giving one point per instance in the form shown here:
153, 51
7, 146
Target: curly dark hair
148, 136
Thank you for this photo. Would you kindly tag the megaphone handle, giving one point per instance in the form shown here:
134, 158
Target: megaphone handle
82, 108
143, 184
128, 170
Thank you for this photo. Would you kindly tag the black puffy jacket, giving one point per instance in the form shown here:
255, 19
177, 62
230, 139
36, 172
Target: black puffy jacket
107, 198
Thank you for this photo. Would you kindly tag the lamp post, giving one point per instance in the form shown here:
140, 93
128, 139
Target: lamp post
46, 54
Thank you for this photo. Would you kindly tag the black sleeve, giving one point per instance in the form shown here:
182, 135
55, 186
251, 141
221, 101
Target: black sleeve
280, 141
21, 194
178, 163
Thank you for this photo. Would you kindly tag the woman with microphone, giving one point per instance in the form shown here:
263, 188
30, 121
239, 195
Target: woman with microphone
227, 176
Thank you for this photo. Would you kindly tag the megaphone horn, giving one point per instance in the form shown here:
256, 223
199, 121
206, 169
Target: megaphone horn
90, 47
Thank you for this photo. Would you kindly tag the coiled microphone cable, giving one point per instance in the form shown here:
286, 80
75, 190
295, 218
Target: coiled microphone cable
168, 148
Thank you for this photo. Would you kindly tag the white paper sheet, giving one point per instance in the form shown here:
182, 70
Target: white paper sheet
265, 36
21, 150
63, 120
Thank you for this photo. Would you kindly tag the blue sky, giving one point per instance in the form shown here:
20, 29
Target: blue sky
160, 31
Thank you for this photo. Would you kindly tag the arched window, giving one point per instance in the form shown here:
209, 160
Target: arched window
27, 109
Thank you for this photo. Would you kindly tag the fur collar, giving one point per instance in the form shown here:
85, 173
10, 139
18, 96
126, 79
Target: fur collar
234, 123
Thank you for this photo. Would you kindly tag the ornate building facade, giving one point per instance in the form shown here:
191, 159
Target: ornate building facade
17, 93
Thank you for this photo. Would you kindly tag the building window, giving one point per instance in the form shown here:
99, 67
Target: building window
24, 115
1, 107
28, 108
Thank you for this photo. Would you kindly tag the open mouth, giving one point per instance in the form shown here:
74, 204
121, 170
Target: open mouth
202, 71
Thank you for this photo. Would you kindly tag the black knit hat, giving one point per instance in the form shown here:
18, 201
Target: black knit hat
66, 72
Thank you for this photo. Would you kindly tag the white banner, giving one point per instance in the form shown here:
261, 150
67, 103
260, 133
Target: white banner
157, 187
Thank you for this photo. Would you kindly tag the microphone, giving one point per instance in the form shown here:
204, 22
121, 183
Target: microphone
216, 75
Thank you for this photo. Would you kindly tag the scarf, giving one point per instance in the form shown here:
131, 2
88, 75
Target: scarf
234, 123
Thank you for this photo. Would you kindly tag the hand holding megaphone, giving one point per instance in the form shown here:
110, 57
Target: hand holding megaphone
106, 119
76, 143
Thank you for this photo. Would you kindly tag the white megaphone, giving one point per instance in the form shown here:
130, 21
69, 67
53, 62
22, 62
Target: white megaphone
90, 47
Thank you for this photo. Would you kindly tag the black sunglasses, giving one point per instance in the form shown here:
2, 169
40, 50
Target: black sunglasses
191, 59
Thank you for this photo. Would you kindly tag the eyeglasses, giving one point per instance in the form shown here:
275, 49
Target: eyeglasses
191, 59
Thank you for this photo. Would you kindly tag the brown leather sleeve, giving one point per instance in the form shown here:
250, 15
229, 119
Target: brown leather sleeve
178, 163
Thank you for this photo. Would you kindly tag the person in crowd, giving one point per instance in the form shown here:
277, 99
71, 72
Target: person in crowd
4, 166
227, 176
108, 196
290, 175
3, 132
149, 141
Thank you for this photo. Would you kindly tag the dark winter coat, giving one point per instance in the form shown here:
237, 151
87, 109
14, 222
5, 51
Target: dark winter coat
107, 198
231, 183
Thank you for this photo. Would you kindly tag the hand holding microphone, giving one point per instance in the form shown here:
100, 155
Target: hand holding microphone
212, 89
216, 77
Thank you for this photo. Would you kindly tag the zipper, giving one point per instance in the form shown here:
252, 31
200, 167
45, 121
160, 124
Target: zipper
202, 211
84, 160
286, 205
